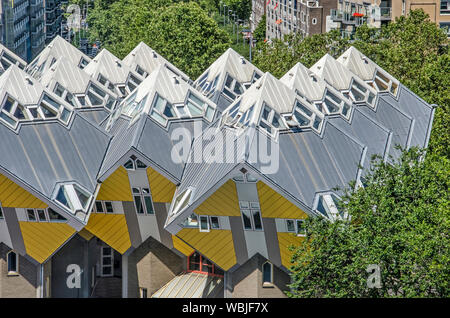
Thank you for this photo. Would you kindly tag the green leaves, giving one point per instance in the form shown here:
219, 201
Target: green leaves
180, 31
400, 222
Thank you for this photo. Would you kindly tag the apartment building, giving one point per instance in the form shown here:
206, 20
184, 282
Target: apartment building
298, 16
53, 19
22, 27
93, 202
352, 13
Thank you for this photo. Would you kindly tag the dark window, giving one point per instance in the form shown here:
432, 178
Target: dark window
267, 273
53, 216
99, 206
12, 262
31, 215
109, 207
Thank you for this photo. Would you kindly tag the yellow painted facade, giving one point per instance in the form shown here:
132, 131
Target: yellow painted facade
284, 241
182, 247
216, 245
223, 202
116, 187
13, 196
274, 205
162, 189
43, 239
86, 234
111, 229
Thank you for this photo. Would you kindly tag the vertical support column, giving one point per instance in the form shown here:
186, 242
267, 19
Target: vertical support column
85, 271
227, 285
125, 275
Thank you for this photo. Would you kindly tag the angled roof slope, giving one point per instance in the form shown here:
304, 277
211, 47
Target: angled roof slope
144, 60
41, 153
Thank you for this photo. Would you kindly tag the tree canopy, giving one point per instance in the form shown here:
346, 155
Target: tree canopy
400, 222
180, 31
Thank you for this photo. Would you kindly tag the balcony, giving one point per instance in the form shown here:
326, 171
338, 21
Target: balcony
337, 15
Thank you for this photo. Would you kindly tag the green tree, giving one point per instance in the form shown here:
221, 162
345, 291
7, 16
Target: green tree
180, 31
187, 37
399, 221
242, 8
279, 56
260, 31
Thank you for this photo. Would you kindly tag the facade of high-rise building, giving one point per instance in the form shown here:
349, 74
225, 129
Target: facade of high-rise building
97, 199
352, 13
22, 27
298, 16
53, 19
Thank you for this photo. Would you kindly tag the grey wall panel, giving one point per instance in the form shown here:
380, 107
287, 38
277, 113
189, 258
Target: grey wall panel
240, 247
132, 223
273, 248
14, 230
161, 215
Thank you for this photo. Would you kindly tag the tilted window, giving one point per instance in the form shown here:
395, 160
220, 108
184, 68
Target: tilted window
143, 200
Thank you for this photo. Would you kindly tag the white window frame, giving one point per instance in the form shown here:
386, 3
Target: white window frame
211, 222
142, 196
246, 206
104, 208
202, 218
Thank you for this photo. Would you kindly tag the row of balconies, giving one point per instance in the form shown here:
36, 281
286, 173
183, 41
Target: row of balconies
351, 18
37, 15
39, 28
18, 42
38, 42
20, 25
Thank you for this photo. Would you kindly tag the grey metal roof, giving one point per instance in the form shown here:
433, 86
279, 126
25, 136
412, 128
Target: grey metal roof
111, 67
57, 48
231, 63
149, 60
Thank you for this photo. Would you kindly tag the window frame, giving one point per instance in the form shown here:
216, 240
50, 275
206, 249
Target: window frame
267, 283
251, 210
16, 271
142, 195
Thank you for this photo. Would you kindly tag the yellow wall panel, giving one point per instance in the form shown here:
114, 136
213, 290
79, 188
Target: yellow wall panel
111, 229
285, 240
13, 196
116, 187
162, 189
216, 245
43, 239
86, 234
223, 202
274, 205
182, 247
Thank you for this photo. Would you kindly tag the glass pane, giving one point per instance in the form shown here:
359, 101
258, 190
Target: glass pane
290, 225
82, 196
257, 220
99, 207
107, 251
267, 273
12, 262
246, 219
148, 205
95, 101
41, 215
204, 223
140, 164
139, 207
107, 261
136, 190
301, 227
159, 104
129, 165
31, 216
229, 82
238, 89
107, 270
215, 222
109, 207
54, 216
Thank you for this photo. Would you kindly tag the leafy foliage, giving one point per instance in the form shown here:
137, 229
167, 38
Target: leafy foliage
242, 8
260, 31
413, 49
400, 222
181, 32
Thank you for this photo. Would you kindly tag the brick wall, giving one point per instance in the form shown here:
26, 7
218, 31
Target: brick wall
151, 266
246, 281
21, 286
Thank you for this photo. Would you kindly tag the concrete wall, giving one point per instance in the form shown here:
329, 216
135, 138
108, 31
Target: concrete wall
151, 266
23, 285
246, 281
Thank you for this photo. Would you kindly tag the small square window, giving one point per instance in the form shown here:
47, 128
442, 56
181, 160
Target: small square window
109, 207
204, 225
99, 207
42, 216
31, 215
215, 222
